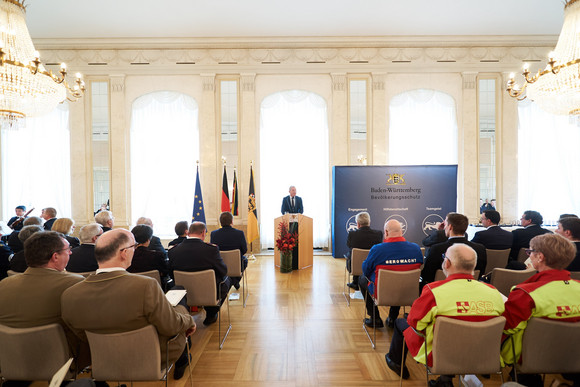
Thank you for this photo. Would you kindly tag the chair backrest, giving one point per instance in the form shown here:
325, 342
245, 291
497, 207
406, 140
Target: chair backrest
153, 274
200, 286
399, 288
467, 347
12, 272
233, 261
133, 355
497, 258
357, 257
522, 256
440, 276
504, 279
423, 251
32, 353
550, 347
575, 275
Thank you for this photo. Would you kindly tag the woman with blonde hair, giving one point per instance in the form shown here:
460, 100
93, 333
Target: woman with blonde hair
66, 226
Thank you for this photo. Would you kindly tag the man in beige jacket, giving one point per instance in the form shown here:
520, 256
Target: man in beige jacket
114, 301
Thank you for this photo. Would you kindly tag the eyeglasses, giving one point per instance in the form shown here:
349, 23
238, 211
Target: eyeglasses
128, 247
529, 251
65, 249
444, 256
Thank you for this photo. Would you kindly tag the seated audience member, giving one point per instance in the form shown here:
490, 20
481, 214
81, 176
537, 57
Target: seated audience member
441, 299
181, 231
193, 254
387, 255
20, 212
13, 240
114, 301
106, 220
455, 227
82, 259
531, 221
145, 259
228, 238
33, 299
494, 237
155, 243
542, 295
49, 216
486, 206
569, 228
18, 261
364, 237
5, 254
66, 226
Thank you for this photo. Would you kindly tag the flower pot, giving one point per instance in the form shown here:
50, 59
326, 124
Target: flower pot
286, 262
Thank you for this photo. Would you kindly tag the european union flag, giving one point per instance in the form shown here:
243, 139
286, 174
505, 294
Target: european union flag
198, 209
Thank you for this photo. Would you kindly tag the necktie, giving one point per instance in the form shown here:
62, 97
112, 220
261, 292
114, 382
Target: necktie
292, 203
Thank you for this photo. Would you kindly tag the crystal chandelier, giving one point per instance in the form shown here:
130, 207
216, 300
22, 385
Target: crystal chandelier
556, 89
27, 89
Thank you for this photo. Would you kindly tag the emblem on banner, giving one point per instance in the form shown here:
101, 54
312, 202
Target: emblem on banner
395, 179
431, 223
351, 224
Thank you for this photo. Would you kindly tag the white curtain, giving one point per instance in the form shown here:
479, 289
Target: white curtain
36, 164
548, 163
294, 151
164, 150
422, 128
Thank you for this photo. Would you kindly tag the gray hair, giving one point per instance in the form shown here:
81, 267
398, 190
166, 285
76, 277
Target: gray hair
89, 231
363, 218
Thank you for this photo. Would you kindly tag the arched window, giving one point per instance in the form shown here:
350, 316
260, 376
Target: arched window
164, 150
422, 128
36, 164
294, 151
548, 163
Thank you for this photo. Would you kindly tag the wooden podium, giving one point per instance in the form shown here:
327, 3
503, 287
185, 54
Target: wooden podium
305, 247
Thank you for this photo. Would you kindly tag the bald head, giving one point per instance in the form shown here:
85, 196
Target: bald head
115, 248
393, 229
460, 259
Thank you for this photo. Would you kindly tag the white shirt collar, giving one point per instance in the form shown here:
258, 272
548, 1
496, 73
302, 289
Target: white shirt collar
109, 269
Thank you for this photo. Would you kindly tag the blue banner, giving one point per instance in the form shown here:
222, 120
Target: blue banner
418, 196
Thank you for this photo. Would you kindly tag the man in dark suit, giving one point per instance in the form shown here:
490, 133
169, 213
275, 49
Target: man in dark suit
18, 261
292, 204
49, 215
193, 254
145, 259
155, 243
228, 238
531, 221
83, 258
569, 228
106, 219
494, 237
455, 227
364, 237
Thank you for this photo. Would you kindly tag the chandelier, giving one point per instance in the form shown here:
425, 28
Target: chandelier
27, 89
556, 89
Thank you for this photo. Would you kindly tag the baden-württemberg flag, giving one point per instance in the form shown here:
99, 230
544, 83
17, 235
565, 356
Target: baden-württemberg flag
198, 209
253, 232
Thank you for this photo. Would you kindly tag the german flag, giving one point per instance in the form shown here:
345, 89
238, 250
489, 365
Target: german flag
253, 231
225, 193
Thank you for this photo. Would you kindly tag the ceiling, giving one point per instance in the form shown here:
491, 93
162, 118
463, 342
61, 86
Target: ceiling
106, 19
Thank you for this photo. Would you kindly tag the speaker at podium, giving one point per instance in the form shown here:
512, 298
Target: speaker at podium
302, 254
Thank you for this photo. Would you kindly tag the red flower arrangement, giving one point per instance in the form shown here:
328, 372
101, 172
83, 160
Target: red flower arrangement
286, 240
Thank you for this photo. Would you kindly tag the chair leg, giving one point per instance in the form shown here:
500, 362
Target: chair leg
373, 341
245, 291
402, 364
220, 323
345, 288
